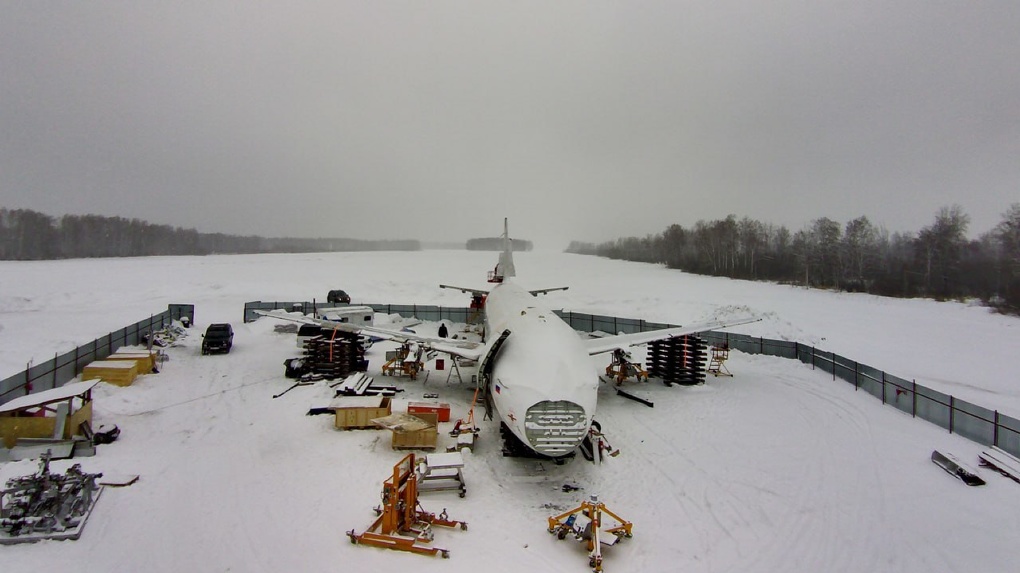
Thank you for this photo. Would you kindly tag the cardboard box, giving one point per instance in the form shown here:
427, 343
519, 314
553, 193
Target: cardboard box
442, 411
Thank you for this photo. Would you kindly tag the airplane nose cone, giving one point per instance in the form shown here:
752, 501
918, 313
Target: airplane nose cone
555, 428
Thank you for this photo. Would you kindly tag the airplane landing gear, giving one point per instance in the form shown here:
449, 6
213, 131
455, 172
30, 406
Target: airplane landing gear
595, 445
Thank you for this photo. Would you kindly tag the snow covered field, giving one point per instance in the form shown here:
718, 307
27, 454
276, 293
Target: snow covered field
778, 468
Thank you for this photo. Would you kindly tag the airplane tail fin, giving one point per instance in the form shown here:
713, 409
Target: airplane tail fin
505, 267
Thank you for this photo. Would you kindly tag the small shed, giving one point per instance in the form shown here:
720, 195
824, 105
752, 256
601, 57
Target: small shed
119, 372
358, 411
57, 413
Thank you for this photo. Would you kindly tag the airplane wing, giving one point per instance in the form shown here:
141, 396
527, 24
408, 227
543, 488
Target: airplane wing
546, 290
476, 292
623, 341
462, 348
473, 291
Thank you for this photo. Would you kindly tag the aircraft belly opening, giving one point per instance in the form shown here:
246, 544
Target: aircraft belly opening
555, 428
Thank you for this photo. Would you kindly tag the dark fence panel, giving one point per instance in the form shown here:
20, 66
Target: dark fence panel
974, 422
899, 392
781, 348
846, 370
806, 354
934, 406
64, 367
824, 362
456, 314
1008, 437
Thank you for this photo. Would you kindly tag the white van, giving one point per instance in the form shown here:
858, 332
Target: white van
356, 315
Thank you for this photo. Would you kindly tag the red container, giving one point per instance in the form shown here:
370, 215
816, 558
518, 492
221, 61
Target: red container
442, 411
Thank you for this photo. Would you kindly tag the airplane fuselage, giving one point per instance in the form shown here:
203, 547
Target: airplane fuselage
543, 383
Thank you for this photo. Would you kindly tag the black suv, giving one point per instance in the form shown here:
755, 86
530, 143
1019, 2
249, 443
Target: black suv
217, 338
338, 296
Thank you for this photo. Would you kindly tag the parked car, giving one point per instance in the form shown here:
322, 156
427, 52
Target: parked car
218, 337
338, 296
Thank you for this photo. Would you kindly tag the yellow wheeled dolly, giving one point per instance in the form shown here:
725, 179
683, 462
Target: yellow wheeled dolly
402, 523
590, 533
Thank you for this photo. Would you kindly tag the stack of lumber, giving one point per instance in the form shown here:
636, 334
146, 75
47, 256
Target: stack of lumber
118, 372
678, 360
145, 359
361, 384
336, 356
1002, 461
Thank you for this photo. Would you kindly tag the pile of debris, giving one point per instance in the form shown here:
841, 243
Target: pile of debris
47, 505
167, 336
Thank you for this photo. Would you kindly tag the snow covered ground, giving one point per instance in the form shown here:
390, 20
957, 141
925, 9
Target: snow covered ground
778, 468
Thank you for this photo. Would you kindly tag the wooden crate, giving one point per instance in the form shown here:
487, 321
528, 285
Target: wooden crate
146, 361
420, 439
442, 410
13, 428
358, 411
119, 372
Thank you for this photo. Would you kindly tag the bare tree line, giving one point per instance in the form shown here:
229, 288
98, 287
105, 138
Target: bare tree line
938, 261
30, 235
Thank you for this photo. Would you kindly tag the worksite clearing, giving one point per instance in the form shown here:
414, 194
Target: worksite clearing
776, 468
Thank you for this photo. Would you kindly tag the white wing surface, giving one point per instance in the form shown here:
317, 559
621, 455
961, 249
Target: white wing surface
624, 341
462, 348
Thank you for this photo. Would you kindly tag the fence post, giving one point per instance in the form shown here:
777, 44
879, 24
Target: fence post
952, 413
812, 357
913, 409
995, 433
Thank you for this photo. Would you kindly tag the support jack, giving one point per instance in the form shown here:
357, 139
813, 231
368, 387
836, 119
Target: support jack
621, 368
590, 533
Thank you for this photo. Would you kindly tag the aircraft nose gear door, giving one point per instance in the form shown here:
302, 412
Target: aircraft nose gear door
595, 446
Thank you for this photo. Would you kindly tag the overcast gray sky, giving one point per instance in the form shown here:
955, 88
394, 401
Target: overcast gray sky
578, 120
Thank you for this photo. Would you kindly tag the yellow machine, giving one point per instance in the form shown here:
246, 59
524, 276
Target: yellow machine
621, 368
405, 361
402, 523
717, 365
591, 533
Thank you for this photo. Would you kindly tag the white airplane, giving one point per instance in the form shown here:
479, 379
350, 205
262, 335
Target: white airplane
536, 369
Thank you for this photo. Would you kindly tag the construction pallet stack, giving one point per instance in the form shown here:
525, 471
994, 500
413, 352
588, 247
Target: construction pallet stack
335, 356
119, 372
678, 360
